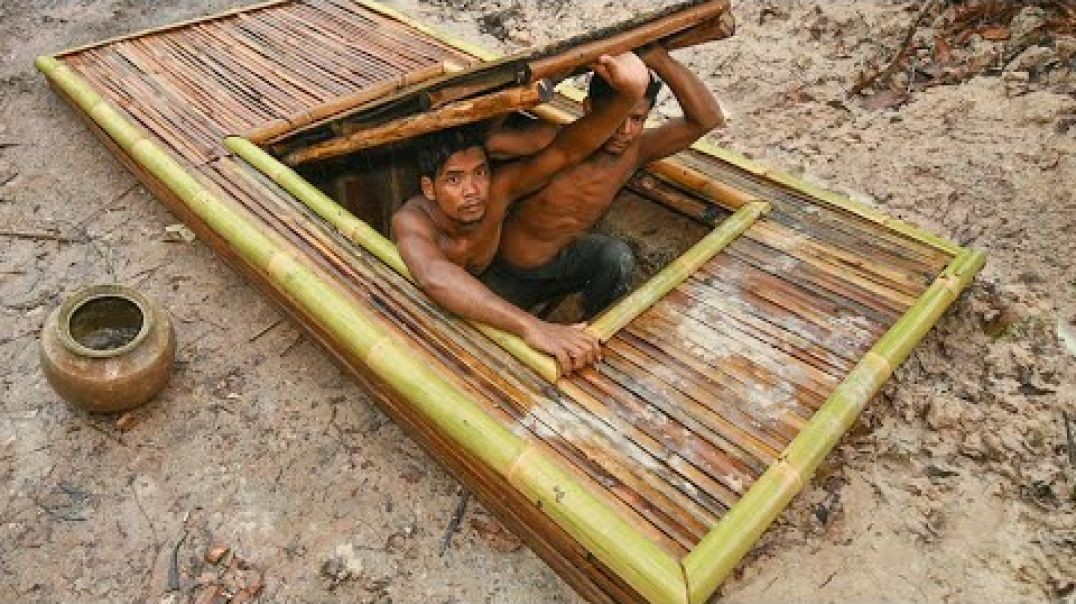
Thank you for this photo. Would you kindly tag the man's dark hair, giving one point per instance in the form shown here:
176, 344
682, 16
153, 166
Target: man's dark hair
434, 149
600, 91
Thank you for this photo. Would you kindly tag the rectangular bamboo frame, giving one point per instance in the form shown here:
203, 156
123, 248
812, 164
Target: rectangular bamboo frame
649, 571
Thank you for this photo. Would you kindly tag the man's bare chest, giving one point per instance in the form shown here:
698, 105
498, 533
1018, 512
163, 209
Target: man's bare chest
580, 194
474, 250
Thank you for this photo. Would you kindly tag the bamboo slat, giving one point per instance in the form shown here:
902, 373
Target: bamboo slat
708, 564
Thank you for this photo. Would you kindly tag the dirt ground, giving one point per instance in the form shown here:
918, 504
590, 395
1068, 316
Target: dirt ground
956, 487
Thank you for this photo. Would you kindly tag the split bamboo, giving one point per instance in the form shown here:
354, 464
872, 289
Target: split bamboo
635, 559
717, 554
625, 311
453, 114
374, 242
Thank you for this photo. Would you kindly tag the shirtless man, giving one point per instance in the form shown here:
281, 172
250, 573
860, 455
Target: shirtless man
546, 250
452, 230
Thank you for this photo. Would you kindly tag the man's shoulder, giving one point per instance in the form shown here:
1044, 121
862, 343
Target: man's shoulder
412, 214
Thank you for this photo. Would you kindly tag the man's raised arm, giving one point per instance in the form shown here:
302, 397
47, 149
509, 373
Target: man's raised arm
573, 143
458, 291
701, 110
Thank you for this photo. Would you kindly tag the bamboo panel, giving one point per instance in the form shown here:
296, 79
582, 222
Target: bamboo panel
567, 557
371, 342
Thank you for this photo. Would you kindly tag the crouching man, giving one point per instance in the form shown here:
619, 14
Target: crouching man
451, 232
547, 250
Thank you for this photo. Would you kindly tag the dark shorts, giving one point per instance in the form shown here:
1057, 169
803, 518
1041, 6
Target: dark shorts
599, 266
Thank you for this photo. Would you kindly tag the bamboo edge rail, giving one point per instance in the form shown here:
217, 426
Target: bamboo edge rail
563, 63
636, 303
710, 562
655, 574
377, 244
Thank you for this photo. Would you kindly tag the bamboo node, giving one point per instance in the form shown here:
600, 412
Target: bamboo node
280, 265
791, 475
879, 362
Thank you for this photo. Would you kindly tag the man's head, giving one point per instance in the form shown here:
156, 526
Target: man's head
455, 174
599, 91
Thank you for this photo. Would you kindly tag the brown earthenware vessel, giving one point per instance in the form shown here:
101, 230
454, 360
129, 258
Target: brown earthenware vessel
107, 348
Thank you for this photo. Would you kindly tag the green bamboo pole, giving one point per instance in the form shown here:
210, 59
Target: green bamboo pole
625, 311
707, 565
635, 559
367, 237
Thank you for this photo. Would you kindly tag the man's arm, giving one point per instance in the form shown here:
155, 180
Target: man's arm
458, 291
511, 140
574, 142
701, 110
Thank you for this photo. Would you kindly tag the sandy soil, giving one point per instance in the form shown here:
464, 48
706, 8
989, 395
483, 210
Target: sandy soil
956, 486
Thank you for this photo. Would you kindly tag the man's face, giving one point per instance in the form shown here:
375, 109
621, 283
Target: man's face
461, 188
629, 130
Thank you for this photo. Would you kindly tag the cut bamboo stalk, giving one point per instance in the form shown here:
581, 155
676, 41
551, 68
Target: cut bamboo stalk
366, 236
585, 54
701, 184
451, 115
718, 553
269, 132
638, 561
610, 321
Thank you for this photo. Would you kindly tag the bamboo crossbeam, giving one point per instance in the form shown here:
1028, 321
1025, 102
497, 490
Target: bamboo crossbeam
450, 115
367, 237
278, 127
616, 317
360, 333
717, 554
586, 53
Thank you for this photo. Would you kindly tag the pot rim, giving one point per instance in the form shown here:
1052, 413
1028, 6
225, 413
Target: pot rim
97, 292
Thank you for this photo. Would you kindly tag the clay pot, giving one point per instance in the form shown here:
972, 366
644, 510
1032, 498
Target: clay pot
107, 348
